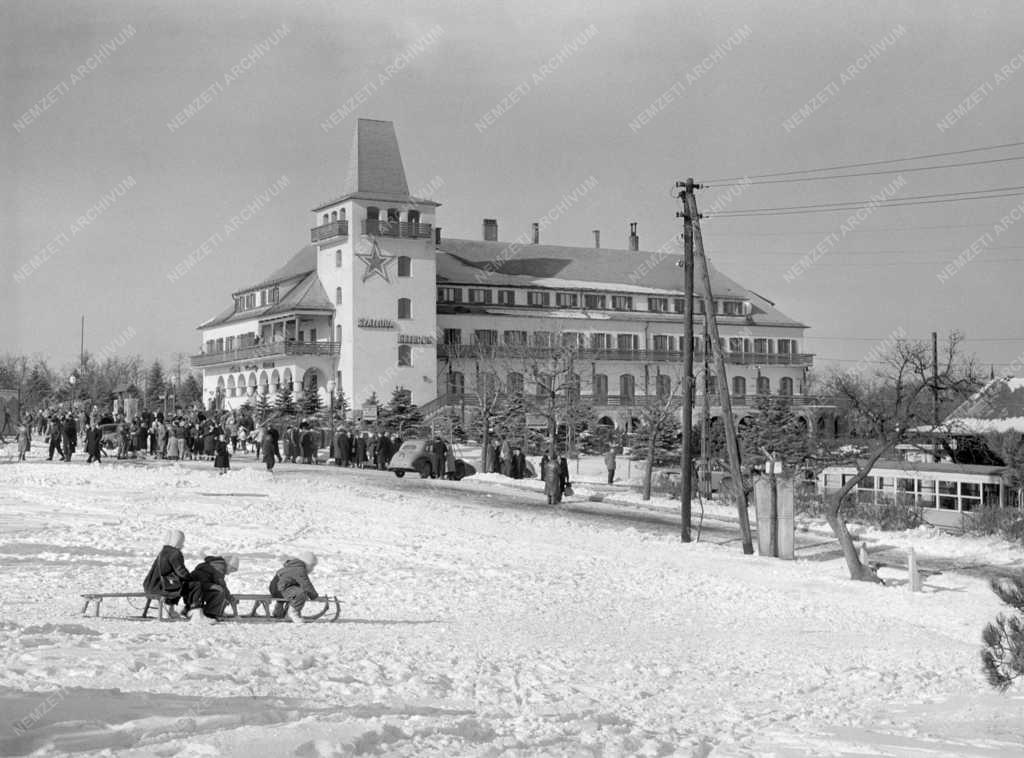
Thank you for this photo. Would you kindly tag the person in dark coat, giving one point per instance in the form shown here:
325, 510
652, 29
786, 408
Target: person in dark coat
69, 437
94, 443
360, 449
222, 457
344, 447
543, 464
53, 435
396, 445
518, 463
292, 436
437, 455
291, 582
563, 475
268, 448
306, 442
167, 575
206, 588
383, 452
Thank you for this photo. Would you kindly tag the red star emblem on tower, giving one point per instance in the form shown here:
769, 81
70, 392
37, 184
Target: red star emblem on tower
377, 263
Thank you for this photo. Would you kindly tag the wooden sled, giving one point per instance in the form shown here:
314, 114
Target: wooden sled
97, 598
259, 602
264, 603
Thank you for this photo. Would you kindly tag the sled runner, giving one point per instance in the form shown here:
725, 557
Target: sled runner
262, 605
266, 603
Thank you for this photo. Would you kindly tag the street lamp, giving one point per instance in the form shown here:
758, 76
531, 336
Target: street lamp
331, 385
72, 380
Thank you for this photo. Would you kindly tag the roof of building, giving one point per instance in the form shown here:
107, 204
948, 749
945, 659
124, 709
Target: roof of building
996, 407
300, 287
601, 269
375, 170
940, 467
930, 466
299, 264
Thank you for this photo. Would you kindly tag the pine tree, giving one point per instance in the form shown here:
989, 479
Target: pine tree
311, 403
191, 391
263, 406
284, 403
38, 388
155, 384
1003, 656
401, 414
775, 428
341, 407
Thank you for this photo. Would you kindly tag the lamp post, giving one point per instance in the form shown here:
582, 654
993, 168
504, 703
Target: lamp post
73, 380
331, 386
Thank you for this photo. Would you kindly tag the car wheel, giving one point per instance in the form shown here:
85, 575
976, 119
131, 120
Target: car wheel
424, 470
399, 473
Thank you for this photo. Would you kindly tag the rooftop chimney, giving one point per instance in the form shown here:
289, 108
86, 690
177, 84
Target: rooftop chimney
634, 241
597, 238
490, 230
536, 233
437, 235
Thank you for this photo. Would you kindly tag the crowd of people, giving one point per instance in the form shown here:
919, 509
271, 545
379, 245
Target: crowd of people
204, 592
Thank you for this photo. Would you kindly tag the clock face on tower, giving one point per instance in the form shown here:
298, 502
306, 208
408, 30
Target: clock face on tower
377, 263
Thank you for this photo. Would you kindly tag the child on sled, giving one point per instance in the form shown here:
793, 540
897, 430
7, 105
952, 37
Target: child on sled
291, 582
168, 573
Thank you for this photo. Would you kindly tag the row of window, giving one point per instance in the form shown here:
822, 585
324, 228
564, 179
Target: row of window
589, 301
373, 214
257, 299
604, 341
928, 493
456, 384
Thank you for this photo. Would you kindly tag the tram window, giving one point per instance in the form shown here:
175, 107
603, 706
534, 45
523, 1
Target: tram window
990, 494
927, 488
906, 485
948, 495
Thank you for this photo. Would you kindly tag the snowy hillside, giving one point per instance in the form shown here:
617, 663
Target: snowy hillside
483, 624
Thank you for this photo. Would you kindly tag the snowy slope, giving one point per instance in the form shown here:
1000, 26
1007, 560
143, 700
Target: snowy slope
467, 629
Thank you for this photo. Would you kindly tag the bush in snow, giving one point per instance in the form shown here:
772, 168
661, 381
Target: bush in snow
1003, 656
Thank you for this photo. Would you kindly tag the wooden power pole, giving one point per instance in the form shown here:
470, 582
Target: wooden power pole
686, 470
731, 441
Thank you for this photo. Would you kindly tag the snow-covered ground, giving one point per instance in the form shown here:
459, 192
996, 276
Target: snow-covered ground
468, 627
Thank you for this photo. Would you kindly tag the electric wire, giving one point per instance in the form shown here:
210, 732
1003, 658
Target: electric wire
879, 173
843, 166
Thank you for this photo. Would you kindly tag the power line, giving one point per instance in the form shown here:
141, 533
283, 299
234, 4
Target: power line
826, 231
884, 171
851, 205
865, 163
875, 264
952, 251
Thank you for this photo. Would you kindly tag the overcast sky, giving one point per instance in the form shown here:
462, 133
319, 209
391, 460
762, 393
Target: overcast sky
116, 78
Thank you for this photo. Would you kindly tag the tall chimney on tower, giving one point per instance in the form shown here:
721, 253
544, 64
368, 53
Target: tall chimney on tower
597, 238
634, 241
490, 230
536, 233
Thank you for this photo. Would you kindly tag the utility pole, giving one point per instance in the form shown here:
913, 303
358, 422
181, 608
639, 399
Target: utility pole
686, 471
732, 444
705, 421
935, 390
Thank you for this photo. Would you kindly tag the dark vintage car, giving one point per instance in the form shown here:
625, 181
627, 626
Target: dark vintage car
414, 456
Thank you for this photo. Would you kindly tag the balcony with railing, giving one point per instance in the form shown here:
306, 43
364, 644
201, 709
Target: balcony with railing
327, 231
613, 354
266, 350
407, 229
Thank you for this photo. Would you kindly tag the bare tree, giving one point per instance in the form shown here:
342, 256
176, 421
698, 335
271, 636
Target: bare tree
886, 408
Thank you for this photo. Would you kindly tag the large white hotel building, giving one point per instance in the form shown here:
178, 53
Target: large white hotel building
381, 299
